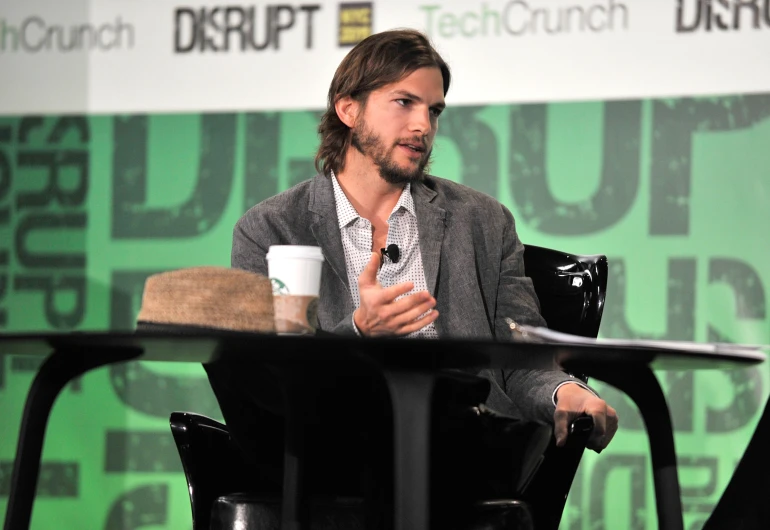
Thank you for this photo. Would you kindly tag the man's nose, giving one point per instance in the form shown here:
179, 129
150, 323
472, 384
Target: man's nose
420, 122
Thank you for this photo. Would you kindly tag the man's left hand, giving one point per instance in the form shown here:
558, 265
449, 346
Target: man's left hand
573, 400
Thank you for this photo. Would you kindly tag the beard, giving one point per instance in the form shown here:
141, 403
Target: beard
369, 144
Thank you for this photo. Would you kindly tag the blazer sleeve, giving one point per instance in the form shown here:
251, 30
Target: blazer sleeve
249, 251
251, 241
346, 327
522, 393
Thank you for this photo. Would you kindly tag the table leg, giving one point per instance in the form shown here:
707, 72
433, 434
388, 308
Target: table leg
295, 513
57, 370
644, 389
410, 393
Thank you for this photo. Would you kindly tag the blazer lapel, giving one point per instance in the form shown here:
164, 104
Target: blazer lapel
325, 229
431, 220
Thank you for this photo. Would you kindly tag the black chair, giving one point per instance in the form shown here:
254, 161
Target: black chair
226, 492
213, 464
571, 290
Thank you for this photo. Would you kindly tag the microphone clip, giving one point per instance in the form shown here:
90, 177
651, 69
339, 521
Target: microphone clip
392, 252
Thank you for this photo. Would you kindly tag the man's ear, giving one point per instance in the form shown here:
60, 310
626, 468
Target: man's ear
347, 110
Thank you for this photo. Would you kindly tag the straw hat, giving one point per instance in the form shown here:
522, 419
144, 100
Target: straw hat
208, 297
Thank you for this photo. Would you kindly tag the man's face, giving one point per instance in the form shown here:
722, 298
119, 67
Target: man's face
398, 124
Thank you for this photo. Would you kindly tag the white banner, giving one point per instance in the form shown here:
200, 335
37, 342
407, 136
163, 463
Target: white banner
113, 56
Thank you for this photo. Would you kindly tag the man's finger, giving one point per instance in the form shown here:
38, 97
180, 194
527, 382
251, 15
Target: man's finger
596, 440
368, 276
612, 420
410, 301
560, 427
389, 294
419, 323
610, 430
405, 310
413, 311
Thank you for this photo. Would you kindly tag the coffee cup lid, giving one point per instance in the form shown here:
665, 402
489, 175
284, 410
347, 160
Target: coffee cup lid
295, 251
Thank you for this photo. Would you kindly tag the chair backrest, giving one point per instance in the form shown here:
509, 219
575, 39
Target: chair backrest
213, 464
571, 289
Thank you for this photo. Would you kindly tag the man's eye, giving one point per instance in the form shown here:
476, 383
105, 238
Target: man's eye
403, 102
436, 112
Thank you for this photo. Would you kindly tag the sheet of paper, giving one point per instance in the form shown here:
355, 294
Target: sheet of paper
549, 335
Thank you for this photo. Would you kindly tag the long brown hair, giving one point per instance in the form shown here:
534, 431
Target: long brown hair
376, 61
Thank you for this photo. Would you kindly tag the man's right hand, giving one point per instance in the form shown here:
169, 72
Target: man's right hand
381, 314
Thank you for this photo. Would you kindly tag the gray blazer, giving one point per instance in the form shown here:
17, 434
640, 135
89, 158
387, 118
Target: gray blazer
473, 263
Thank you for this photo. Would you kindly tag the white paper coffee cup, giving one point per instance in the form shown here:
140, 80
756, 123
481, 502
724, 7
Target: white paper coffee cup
295, 272
295, 269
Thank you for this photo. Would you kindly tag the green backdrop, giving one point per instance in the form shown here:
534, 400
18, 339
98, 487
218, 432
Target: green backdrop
674, 192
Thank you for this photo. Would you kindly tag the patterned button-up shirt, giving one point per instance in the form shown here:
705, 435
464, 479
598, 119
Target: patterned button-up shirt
356, 235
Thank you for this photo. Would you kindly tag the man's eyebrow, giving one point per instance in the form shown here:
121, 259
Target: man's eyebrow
409, 95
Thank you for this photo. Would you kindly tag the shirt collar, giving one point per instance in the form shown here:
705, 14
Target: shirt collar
346, 213
405, 201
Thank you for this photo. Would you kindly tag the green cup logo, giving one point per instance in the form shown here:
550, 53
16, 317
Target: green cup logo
279, 288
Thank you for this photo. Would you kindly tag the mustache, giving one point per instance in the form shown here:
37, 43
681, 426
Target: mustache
414, 140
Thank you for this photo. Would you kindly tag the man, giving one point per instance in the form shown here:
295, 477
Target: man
459, 272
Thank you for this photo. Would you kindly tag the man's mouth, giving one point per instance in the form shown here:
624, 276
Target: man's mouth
417, 148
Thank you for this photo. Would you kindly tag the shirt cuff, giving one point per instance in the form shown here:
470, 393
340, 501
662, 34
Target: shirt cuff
355, 328
574, 382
